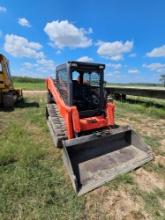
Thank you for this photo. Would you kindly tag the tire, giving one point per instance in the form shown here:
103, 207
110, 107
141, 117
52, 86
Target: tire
8, 101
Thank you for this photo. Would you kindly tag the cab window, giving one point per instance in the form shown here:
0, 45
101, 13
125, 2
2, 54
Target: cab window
62, 84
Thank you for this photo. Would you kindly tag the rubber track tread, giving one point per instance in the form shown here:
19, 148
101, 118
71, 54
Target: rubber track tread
56, 124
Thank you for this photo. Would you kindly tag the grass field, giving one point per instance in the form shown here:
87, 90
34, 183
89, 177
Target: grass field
27, 83
35, 185
30, 85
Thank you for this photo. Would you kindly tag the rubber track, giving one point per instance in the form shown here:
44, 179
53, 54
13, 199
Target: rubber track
56, 125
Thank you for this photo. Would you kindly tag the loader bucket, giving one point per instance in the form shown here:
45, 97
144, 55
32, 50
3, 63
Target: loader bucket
94, 159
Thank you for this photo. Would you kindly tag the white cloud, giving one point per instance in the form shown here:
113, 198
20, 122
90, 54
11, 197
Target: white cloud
108, 74
65, 34
155, 67
85, 59
133, 71
114, 50
19, 46
40, 68
113, 73
24, 22
46, 64
132, 55
3, 9
28, 65
157, 52
115, 66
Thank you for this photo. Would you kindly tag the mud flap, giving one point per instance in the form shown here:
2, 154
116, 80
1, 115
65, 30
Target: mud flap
94, 159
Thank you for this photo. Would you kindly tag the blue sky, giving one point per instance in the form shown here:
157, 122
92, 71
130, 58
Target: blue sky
128, 36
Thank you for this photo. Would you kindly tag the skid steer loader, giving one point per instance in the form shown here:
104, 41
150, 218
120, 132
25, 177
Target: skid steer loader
81, 120
8, 95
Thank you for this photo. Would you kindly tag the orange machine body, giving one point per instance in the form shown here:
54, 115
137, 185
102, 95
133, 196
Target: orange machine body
74, 124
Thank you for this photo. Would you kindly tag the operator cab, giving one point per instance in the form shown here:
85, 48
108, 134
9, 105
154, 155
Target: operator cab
81, 85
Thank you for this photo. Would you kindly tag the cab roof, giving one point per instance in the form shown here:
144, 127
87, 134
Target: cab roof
81, 65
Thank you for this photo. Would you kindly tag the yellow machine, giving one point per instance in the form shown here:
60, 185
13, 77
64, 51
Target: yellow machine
8, 95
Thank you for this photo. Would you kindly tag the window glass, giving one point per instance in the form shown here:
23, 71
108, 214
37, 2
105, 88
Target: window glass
75, 75
62, 76
95, 79
62, 84
92, 78
86, 77
86, 91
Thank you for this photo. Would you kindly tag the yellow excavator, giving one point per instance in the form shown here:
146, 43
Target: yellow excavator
8, 94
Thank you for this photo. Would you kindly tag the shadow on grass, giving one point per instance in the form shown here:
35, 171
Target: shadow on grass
8, 162
21, 104
25, 104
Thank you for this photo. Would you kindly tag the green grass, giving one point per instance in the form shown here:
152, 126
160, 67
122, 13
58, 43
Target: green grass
157, 168
33, 180
135, 84
152, 204
151, 200
154, 142
30, 85
147, 100
147, 109
121, 180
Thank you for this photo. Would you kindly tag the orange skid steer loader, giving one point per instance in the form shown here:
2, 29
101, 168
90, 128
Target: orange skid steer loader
82, 122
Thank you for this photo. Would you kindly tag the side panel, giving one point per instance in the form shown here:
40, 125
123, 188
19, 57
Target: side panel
76, 120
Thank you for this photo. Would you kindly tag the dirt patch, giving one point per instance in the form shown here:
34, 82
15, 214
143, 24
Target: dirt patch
148, 181
152, 127
162, 147
93, 205
146, 126
32, 93
121, 206
117, 205
160, 160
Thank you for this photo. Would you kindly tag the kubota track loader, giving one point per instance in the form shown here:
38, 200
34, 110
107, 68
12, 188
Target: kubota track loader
8, 94
81, 120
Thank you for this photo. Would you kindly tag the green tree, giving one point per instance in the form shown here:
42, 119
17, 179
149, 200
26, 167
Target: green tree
162, 79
